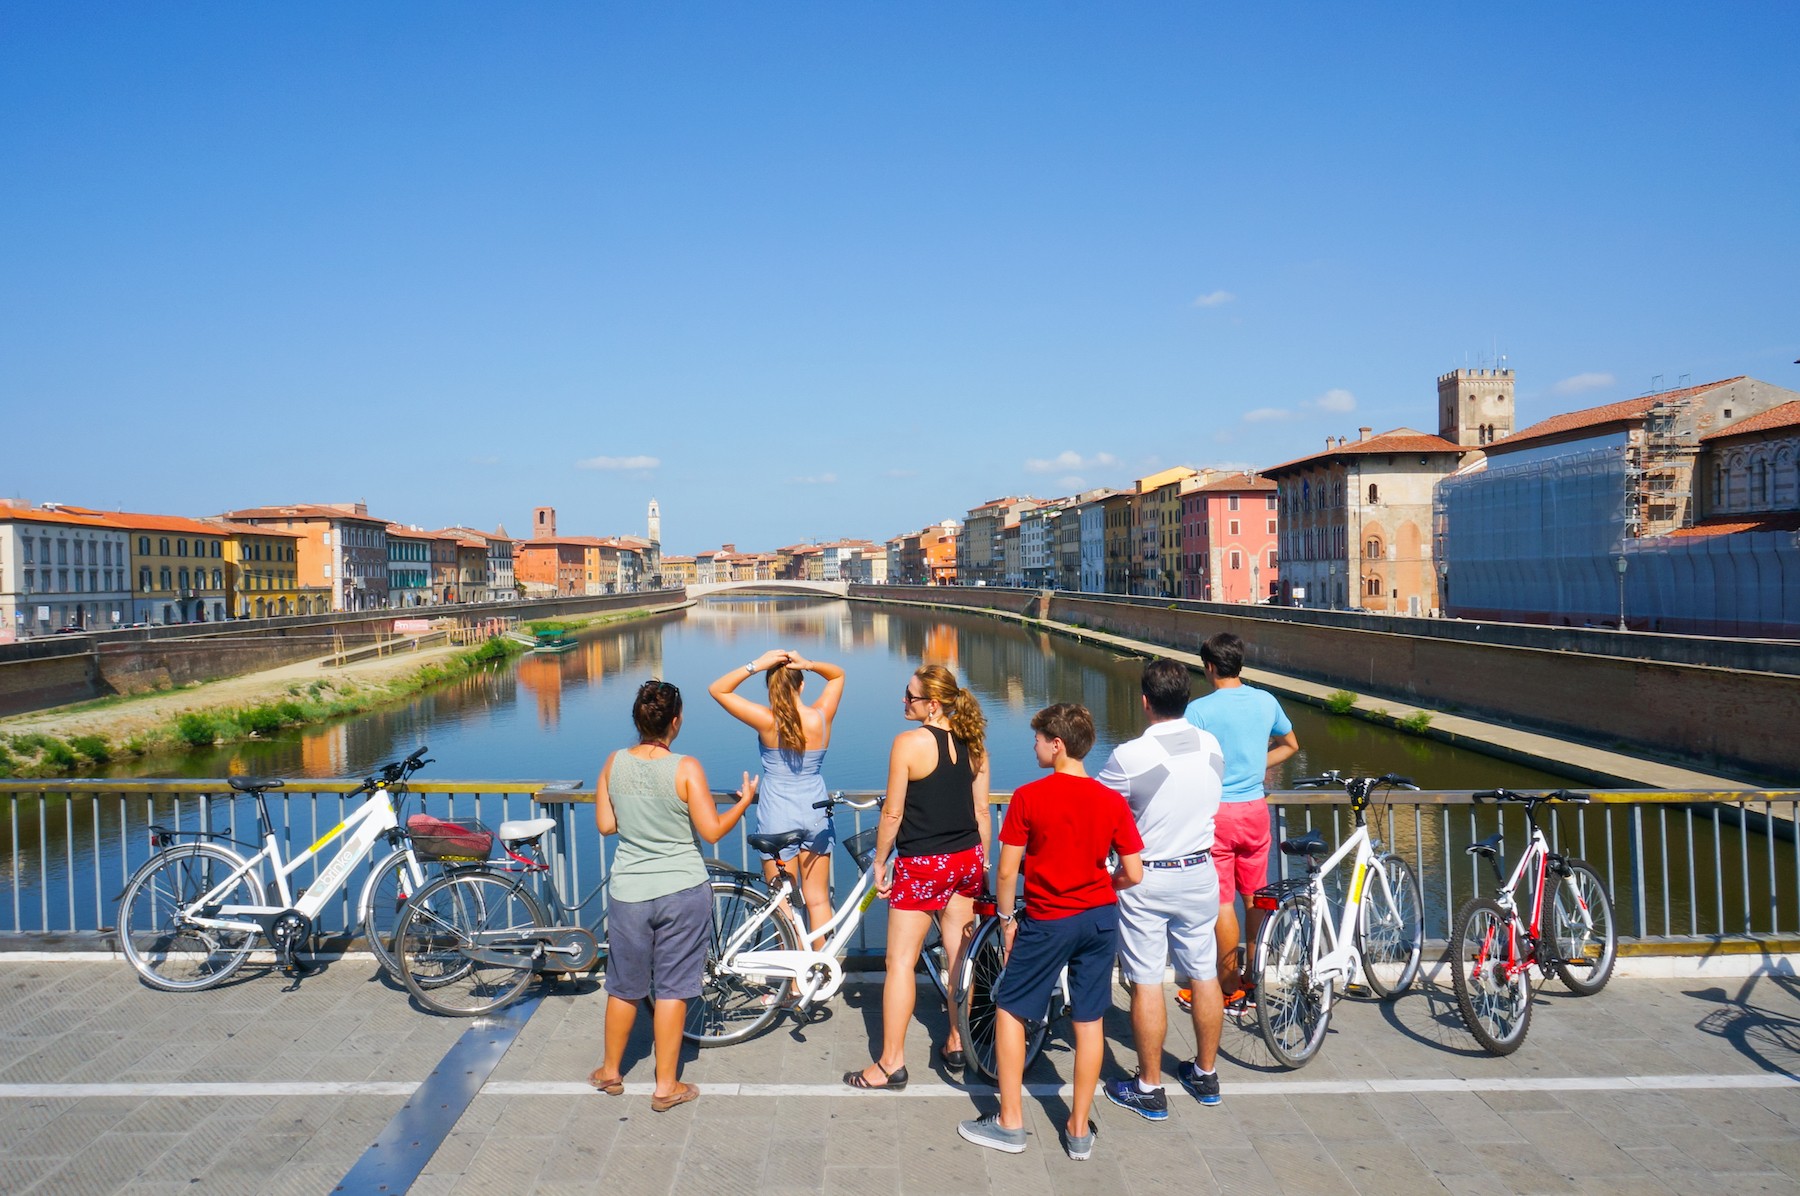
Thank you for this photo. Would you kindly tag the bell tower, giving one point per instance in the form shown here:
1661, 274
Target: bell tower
655, 536
1475, 407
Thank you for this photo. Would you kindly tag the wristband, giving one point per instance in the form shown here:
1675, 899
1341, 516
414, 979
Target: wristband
750, 669
1007, 917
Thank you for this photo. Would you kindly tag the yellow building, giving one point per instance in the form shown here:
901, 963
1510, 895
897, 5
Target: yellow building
261, 578
177, 567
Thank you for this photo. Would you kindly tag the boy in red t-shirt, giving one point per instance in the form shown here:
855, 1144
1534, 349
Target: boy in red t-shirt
1061, 828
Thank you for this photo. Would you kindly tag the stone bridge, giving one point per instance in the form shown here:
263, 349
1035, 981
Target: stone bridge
830, 589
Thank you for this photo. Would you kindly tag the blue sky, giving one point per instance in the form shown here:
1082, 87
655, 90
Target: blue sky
840, 269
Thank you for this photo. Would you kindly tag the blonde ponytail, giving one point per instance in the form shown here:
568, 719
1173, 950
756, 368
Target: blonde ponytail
961, 710
784, 689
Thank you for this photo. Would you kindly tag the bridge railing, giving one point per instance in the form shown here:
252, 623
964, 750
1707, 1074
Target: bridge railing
1689, 871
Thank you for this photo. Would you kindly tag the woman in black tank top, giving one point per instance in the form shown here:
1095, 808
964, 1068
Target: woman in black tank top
931, 853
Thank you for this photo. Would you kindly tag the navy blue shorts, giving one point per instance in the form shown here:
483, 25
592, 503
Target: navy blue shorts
1086, 942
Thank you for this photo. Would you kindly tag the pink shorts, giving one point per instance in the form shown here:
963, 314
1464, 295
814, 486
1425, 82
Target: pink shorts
927, 882
1240, 848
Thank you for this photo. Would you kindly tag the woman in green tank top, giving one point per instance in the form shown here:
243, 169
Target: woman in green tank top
659, 919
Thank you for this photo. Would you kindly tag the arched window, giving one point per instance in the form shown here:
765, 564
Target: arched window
1759, 483
1374, 587
1373, 546
218, 580
183, 575
166, 579
1374, 493
1718, 487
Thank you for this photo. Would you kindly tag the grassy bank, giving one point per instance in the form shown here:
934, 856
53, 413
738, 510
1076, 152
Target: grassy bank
34, 754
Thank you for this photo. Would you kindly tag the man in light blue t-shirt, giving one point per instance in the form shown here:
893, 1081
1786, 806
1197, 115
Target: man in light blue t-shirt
1256, 736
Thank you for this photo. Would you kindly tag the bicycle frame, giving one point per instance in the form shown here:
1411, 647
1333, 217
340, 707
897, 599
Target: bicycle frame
1335, 957
817, 974
1537, 852
364, 829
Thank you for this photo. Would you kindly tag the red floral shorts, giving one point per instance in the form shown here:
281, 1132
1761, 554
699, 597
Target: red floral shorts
927, 882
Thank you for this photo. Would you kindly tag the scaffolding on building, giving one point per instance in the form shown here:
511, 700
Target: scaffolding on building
1662, 473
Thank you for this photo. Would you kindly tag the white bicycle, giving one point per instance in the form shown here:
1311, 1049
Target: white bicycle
759, 964
189, 917
1304, 959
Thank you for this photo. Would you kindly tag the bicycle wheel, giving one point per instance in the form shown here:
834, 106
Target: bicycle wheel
1292, 1009
1582, 932
1493, 985
464, 944
1389, 926
385, 894
733, 1005
976, 1013
169, 952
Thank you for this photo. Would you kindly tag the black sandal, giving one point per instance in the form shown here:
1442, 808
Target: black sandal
895, 1080
954, 1060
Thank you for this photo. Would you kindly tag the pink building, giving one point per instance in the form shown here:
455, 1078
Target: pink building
1228, 534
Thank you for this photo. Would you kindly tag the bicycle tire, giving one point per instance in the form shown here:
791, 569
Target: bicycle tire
384, 897
1390, 929
976, 1013
1485, 947
450, 916
163, 949
1585, 952
1292, 1010
732, 1007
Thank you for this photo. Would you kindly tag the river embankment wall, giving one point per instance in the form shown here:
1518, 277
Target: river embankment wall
40, 674
1717, 704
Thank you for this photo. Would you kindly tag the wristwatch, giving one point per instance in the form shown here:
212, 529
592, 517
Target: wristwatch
750, 668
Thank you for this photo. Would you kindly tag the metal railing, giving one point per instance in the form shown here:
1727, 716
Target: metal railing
1688, 870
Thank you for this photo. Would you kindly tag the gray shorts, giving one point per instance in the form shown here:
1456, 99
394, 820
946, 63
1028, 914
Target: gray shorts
658, 947
1172, 912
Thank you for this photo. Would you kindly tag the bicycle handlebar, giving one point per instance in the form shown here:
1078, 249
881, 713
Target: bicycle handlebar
1567, 795
838, 799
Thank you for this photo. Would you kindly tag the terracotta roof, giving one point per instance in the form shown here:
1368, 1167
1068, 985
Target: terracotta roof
1725, 525
1623, 412
1785, 416
79, 517
1400, 440
251, 529
160, 523
409, 533
300, 511
1240, 482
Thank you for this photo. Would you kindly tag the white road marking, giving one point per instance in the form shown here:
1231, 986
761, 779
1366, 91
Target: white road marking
1234, 1088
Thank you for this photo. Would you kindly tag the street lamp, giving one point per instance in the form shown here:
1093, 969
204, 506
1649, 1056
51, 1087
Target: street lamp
1621, 562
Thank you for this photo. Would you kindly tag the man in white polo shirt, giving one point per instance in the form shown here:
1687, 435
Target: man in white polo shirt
1171, 776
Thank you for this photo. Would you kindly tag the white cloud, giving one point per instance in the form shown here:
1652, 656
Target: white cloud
1214, 299
1263, 415
1336, 400
627, 464
1581, 383
1070, 460
1072, 484
823, 479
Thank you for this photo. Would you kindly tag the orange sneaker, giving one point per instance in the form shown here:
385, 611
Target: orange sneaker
1184, 997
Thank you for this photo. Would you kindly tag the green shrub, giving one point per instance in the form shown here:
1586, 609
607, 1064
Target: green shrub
260, 720
1417, 721
197, 730
57, 754
1340, 702
137, 745
94, 747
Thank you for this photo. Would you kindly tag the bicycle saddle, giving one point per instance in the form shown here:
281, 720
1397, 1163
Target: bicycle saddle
252, 784
1312, 844
774, 845
524, 829
1489, 847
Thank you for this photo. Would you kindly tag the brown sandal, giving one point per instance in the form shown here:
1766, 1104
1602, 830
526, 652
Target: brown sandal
610, 1087
662, 1104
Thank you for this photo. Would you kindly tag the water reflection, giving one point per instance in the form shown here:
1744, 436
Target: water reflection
554, 716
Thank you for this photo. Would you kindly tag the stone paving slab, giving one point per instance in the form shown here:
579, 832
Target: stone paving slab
1400, 1099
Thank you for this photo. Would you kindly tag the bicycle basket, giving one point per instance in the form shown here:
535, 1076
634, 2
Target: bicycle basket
861, 846
1271, 896
436, 839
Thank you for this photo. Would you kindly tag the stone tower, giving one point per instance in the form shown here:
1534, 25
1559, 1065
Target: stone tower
1475, 407
543, 523
655, 523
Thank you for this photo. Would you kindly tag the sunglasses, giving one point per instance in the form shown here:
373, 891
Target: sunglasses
909, 697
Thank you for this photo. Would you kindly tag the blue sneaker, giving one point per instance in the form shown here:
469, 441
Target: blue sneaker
1205, 1087
1151, 1106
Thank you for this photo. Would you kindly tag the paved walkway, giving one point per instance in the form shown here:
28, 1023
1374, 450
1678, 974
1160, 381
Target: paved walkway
1651, 1086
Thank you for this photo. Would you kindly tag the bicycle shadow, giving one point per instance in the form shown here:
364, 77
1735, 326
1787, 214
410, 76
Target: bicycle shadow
1765, 1036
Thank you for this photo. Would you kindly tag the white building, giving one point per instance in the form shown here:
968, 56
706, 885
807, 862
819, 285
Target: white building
61, 569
